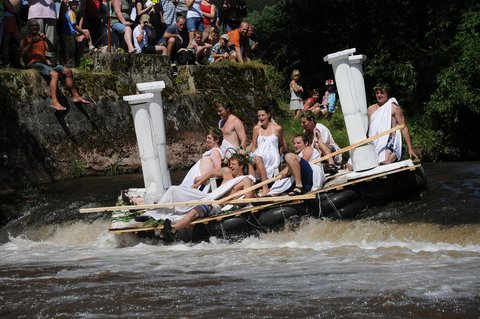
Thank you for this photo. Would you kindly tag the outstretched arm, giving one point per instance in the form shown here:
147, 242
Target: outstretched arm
400, 117
283, 144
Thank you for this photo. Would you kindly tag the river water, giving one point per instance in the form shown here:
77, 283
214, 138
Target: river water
416, 259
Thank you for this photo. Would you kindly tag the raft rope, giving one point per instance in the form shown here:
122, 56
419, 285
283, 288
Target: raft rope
333, 205
251, 224
224, 234
320, 213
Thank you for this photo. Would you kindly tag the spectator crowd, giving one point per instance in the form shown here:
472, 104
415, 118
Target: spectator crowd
188, 31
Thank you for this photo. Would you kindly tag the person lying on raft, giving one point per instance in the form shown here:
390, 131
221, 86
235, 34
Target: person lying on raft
302, 147
210, 161
234, 180
307, 176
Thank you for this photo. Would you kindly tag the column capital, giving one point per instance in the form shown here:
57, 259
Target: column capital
340, 55
151, 87
138, 98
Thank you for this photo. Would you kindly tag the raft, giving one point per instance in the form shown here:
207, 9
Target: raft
345, 195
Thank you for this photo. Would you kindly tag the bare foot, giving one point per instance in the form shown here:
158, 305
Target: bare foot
79, 99
57, 106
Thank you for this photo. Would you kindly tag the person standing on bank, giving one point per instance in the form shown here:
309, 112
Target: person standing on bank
296, 91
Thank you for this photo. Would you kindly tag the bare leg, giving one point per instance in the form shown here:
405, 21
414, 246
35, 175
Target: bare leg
127, 36
160, 49
53, 91
294, 168
390, 157
170, 46
189, 217
76, 98
262, 173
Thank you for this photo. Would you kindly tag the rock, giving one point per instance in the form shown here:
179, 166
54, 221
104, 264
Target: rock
39, 145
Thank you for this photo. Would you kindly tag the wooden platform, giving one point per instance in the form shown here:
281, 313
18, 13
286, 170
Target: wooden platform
338, 182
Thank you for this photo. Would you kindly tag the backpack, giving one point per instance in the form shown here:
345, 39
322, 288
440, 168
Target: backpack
185, 57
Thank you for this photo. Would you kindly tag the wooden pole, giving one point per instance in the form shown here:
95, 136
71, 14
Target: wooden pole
239, 201
109, 43
360, 143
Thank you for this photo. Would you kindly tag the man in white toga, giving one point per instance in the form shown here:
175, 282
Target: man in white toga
382, 116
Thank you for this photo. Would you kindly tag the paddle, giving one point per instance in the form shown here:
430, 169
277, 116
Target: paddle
343, 150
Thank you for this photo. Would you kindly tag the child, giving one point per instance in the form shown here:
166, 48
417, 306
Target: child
296, 91
202, 50
72, 28
329, 98
141, 34
312, 104
220, 50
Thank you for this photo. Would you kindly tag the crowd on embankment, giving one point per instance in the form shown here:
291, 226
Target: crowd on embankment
188, 31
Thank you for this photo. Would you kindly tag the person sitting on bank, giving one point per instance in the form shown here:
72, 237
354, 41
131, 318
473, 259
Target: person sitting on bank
201, 49
312, 104
121, 22
175, 37
382, 116
141, 35
32, 48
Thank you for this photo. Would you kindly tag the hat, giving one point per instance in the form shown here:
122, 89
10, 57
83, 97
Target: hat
225, 36
329, 82
145, 18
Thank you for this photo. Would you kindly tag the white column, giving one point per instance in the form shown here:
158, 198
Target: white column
156, 112
356, 68
351, 92
154, 187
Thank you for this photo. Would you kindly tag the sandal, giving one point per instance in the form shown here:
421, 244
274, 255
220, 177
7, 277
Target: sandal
166, 232
330, 169
296, 191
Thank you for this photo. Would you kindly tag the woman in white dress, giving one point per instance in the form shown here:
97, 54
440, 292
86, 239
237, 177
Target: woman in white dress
210, 160
267, 139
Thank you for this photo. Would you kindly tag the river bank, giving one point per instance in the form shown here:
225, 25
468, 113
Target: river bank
38, 145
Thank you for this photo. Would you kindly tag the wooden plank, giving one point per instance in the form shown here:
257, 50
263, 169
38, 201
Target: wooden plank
253, 209
285, 200
194, 203
134, 230
365, 179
